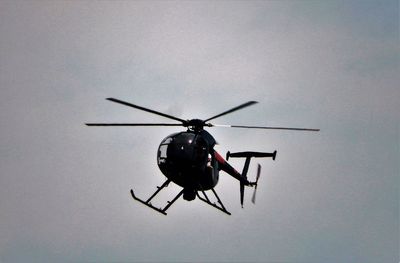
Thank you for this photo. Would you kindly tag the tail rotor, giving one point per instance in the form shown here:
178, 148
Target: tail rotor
253, 199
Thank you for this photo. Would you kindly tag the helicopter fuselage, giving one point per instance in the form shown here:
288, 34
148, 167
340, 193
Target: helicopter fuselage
187, 159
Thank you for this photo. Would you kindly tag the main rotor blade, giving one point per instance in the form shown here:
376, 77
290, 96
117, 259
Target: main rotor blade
262, 127
133, 124
249, 103
145, 109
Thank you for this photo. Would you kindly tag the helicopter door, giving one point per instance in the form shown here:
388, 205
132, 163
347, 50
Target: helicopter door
215, 170
212, 171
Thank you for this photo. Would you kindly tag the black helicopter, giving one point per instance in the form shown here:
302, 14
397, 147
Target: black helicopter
189, 160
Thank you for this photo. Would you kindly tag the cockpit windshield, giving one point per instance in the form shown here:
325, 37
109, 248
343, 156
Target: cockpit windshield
185, 148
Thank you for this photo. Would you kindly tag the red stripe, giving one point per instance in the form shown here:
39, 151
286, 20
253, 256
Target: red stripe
219, 158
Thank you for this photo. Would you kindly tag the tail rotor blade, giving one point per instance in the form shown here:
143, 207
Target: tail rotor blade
253, 199
241, 193
258, 172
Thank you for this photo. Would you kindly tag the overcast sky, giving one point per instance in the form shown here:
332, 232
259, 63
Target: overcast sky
331, 196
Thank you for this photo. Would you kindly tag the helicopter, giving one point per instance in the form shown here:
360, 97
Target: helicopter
188, 158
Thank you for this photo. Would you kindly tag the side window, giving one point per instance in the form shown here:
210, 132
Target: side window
162, 153
167, 140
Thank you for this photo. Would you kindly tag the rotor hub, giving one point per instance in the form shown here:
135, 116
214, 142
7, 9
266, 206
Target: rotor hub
195, 124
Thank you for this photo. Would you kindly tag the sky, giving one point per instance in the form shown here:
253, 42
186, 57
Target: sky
331, 196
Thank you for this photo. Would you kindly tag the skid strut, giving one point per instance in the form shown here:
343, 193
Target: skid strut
159, 188
207, 200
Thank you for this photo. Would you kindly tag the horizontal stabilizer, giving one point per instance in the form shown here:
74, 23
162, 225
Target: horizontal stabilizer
250, 154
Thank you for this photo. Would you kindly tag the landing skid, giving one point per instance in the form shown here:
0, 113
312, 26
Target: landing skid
163, 210
159, 188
